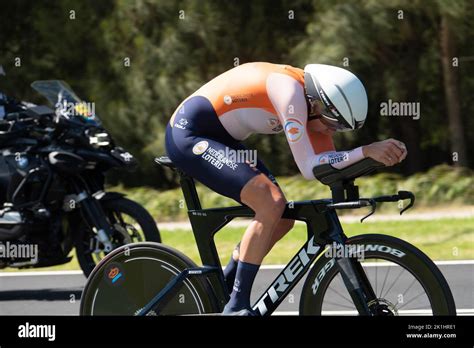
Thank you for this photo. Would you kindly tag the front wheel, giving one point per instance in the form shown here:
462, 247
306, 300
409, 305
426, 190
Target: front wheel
128, 278
405, 281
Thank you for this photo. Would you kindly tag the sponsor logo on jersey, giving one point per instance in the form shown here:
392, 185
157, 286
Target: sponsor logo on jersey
200, 148
294, 130
323, 159
217, 158
238, 98
334, 158
275, 124
181, 124
228, 99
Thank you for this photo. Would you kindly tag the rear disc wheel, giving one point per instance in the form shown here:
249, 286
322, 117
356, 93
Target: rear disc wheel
130, 276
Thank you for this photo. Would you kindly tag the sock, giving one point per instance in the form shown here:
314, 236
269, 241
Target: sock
230, 270
229, 273
240, 297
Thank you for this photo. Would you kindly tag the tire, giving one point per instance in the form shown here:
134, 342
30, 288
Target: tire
83, 234
145, 269
320, 294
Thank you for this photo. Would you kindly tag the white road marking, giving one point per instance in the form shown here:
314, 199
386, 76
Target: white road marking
372, 264
269, 267
40, 273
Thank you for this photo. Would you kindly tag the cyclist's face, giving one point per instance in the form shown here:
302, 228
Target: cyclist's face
328, 125
319, 126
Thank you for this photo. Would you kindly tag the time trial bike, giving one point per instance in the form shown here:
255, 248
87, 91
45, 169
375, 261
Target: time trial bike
369, 274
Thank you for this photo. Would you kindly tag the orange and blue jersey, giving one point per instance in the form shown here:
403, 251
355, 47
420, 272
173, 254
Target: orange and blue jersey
259, 98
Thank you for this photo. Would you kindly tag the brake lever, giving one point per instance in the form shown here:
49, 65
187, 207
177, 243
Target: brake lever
406, 195
373, 205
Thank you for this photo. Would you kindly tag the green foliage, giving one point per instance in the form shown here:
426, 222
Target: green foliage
444, 184
175, 47
444, 239
440, 186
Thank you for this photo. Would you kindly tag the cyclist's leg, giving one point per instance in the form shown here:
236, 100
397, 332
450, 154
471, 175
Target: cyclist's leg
225, 178
283, 225
229, 179
268, 203
197, 147
230, 269
281, 229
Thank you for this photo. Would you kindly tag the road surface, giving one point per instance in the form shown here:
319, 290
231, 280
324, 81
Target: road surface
58, 293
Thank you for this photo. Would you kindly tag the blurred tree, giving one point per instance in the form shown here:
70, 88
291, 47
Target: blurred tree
450, 63
138, 60
394, 47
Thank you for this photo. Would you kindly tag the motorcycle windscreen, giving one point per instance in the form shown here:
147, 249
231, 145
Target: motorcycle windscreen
65, 101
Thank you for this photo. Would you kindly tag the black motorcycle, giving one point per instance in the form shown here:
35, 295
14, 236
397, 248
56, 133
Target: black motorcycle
52, 167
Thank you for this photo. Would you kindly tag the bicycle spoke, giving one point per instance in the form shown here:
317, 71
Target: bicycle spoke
338, 304
406, 291
414, 298
394, 282
376, 261
409, 287
337, 292
385, 280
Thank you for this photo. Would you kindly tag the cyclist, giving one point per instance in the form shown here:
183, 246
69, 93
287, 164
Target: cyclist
205, 133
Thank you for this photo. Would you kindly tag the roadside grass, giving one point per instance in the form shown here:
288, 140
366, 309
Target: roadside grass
442, 186
444, 239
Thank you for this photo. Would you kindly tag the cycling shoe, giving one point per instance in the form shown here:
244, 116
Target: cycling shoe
241, 312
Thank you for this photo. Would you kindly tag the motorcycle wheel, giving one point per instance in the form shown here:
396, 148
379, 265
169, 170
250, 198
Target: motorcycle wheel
131, 223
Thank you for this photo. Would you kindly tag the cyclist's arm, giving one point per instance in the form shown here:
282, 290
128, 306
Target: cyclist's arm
325, 151
309, 149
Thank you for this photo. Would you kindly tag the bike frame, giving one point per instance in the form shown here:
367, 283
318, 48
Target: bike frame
323, 227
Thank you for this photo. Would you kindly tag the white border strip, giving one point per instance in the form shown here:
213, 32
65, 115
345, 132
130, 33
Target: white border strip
463, 311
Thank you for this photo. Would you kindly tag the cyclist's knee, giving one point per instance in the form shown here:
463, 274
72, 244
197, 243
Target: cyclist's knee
277, 207
283, 227
271, 208
264, 197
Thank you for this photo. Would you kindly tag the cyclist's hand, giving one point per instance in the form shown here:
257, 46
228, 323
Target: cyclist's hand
388, 152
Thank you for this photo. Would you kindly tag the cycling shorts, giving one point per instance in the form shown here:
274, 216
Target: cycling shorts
199, 145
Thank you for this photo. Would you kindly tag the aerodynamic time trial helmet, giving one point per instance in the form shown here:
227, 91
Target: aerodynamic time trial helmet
340, 94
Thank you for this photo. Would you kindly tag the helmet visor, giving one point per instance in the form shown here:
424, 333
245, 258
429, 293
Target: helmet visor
326, 117
330, 116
